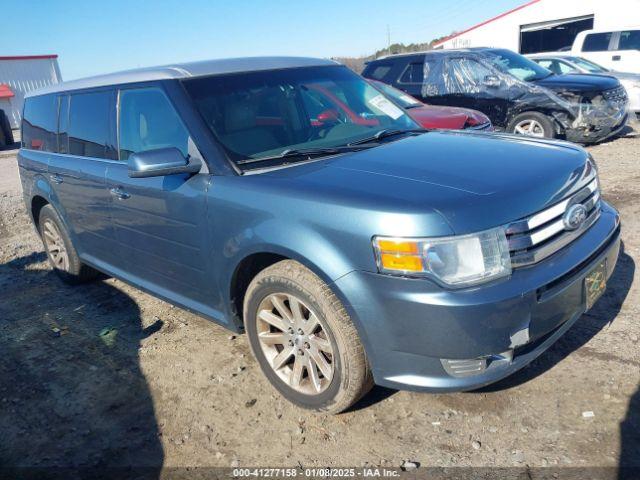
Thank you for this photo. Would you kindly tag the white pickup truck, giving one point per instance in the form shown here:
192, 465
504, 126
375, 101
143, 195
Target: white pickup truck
617, 50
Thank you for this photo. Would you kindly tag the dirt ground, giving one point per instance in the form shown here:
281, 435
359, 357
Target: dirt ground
104, 374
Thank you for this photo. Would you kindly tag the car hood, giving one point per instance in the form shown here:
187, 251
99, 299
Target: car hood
429, 116
578, 82
475, 181
633, 77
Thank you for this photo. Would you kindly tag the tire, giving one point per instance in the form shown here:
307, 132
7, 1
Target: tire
61, 253
543, 125
6, 135
332, 346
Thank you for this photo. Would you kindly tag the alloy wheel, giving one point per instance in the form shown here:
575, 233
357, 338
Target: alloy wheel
530, 127
295, 343
55, 246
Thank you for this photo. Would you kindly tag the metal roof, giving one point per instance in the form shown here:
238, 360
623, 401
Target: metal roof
186, 70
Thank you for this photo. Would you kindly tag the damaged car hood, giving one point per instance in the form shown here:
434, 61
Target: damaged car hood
578, 83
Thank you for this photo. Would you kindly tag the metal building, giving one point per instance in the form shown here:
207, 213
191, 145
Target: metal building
546, 25
19, 75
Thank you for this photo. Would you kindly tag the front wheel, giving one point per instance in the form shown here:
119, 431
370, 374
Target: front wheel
532, 124
304, 340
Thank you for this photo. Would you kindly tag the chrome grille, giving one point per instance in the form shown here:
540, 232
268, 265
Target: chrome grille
617, 95
534, 238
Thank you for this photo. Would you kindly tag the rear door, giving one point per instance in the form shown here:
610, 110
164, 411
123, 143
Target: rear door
86, 145
160, 222
412, 77
626, 56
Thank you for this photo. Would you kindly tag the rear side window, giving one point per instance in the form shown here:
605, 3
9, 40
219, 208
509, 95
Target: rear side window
40, 122
414, 73
91, 124
629, 40
597, 42
380, 71
148, 121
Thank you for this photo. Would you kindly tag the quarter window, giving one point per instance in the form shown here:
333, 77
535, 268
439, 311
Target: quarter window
597, 42
148, 121
414, 73
39, 126
630, 40
90, 125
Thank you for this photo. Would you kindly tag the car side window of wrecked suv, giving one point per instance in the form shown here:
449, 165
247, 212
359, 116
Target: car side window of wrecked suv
148, 121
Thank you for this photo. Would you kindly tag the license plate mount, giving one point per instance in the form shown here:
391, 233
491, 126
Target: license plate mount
595, 283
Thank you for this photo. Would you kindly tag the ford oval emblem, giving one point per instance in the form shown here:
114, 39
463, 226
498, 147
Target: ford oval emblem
574, 217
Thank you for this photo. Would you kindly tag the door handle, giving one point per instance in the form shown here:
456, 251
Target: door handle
616, 58
119, 193
55, 178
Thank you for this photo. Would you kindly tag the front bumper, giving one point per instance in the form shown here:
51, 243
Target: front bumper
596, 131
409, 326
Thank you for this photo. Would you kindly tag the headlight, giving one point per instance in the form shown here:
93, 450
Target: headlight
457, 261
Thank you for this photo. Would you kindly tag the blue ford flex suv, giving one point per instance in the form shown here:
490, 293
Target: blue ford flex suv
352, 246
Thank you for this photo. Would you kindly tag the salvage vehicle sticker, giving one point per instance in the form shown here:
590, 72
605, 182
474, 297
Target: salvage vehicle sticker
595, 283
385, 106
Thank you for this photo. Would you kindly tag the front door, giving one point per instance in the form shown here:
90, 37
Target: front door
160, 222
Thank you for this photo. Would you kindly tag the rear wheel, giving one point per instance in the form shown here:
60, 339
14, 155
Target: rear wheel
532, 124
61, 253
304, 340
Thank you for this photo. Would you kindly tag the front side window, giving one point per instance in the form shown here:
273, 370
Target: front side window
261, 114
597, 42
629, 40
465, 75
148, 121
40, 123
414, 73
91, 125
517, 65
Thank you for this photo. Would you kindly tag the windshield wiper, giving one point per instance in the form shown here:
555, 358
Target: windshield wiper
388, 132
297, 153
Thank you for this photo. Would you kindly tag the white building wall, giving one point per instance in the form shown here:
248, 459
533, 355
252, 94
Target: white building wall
25, 75
504, 32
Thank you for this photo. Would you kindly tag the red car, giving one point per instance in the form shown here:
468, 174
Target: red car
429, 116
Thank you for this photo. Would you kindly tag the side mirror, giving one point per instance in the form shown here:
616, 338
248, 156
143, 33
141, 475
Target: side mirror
160, 162
492, 81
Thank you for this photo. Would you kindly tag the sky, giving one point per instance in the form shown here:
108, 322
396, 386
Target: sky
93, 37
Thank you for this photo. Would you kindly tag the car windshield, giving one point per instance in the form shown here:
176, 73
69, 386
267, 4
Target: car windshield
588, 66
265, 114
403, 99
517, 65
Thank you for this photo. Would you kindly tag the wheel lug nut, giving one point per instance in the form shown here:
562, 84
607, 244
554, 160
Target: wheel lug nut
300, 351
300, 332
306, 345
291, 343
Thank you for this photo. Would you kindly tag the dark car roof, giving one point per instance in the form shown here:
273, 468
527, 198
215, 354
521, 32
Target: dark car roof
185, 70
439, 52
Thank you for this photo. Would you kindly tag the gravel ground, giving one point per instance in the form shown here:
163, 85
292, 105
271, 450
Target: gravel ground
104, 374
